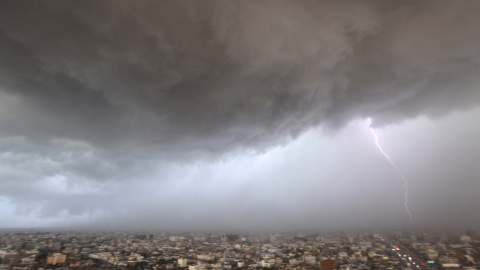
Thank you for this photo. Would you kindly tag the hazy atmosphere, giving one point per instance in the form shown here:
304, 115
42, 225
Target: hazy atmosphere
239, 115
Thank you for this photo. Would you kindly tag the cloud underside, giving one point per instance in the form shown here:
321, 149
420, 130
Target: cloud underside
213, 77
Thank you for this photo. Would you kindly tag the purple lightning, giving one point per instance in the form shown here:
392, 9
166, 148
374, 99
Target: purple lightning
405, 182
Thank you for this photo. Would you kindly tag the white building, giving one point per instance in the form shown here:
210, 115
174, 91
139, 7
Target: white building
310, 259
465, 238
432, 255
182, 262
265, 264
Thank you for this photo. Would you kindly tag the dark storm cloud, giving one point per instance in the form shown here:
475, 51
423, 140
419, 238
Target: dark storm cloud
97, 98
215, 76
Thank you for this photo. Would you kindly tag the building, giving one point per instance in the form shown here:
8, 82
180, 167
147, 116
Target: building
56, 258
432, 255
328, 264
465, 238
473, 234
310, 259
182, 262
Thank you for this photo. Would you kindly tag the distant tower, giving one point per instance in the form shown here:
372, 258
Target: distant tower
223, 237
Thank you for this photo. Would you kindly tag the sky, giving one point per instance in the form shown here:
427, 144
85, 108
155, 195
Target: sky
239, 115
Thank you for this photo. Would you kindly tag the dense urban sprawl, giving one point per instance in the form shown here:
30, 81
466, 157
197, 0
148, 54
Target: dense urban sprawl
70, 250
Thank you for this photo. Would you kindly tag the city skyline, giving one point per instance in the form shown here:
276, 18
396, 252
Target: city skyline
199, 250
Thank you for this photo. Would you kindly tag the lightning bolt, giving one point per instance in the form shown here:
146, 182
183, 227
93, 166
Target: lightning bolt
405, 182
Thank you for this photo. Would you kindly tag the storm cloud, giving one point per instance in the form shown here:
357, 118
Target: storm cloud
100, 94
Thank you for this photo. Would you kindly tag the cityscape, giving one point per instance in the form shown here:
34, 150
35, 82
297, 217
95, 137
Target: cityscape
396, 250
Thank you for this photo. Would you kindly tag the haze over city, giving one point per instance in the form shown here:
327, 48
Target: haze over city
239, 115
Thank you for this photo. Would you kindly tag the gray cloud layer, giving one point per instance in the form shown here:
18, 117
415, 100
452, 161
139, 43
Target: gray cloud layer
99, 91
216, 76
